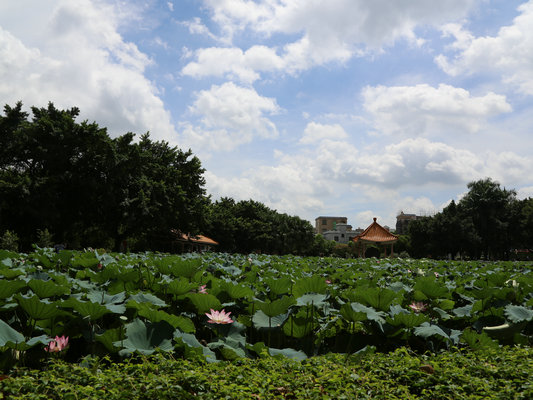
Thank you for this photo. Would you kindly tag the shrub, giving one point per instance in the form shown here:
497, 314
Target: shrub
9, 241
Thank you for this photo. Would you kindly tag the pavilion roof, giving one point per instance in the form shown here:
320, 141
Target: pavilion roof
375, 233
187, 237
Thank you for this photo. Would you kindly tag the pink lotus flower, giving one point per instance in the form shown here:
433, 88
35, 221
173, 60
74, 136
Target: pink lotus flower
328, 281
417, 306
436, 274
219, 317
57, 345
202, 289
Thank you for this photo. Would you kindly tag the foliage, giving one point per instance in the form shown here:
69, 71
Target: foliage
89, 189
490, 374
9, 241
44, 238
249, 226
487, 222
126, 304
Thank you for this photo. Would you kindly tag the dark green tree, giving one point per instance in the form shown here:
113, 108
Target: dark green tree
490, 208
250, 226
87, 189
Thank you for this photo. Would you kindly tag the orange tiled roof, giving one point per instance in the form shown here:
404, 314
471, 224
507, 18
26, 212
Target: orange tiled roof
376, 233
201, 239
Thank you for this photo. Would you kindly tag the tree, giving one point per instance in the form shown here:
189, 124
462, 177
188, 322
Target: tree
489, 206
250, 226
88, 189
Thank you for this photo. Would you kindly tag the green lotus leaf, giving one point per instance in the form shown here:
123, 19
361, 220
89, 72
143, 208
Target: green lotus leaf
9, 287
108, 338
278, 286
183, 323
426, 330
9, 335
37, 308
431, 288
464, 311
379, 298
185, 268
312, 284
98, 296
190, 341
297, 327
518, 313
289, 353
349, 314
276, 307
45, 289
262, 321
371, 313
316, 299
181, 286
87, 309
12, 273
85, 260
148, 298
204, 302
236, 291
146, 338
407, 319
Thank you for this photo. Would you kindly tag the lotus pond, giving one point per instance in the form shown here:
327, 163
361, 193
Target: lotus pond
224, 307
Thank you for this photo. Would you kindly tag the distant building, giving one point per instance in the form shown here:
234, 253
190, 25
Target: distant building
341, 234
402, 222
324, 224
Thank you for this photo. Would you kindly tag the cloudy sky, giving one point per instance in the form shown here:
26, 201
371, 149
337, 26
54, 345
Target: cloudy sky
350, 108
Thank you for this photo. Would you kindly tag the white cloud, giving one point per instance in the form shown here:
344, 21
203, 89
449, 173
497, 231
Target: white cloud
315, 132
76, 57
233, 63
230, 115
510, 53
423, 110
525, 192
332, 31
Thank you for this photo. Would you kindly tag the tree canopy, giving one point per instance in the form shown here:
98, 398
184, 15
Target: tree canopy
89, 189
488, 221
74, 181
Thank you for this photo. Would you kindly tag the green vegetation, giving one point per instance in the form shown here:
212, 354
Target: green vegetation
504, 373
72, 183
488, 222
300, 327
117, 304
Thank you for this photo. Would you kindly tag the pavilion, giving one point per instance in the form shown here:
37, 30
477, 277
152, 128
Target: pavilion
375, 234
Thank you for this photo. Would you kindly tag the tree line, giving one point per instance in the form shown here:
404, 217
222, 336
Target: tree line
67, 182
71, 183
488, 222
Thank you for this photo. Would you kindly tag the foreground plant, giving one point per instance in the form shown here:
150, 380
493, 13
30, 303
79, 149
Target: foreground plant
219, 317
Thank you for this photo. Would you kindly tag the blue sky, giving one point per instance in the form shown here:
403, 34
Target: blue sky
350, 108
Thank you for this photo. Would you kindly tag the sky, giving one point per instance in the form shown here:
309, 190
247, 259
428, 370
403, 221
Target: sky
348, 108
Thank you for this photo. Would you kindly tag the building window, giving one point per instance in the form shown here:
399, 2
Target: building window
342, 235
324, 222
336, 238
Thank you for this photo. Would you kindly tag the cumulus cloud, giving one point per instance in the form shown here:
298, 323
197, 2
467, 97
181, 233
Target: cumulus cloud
332, 31
423, 110
230, 115
233, 63
315, 132
509, 53
75, 56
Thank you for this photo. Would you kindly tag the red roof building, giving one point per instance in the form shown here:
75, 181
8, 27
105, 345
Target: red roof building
375, 234
190, 242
